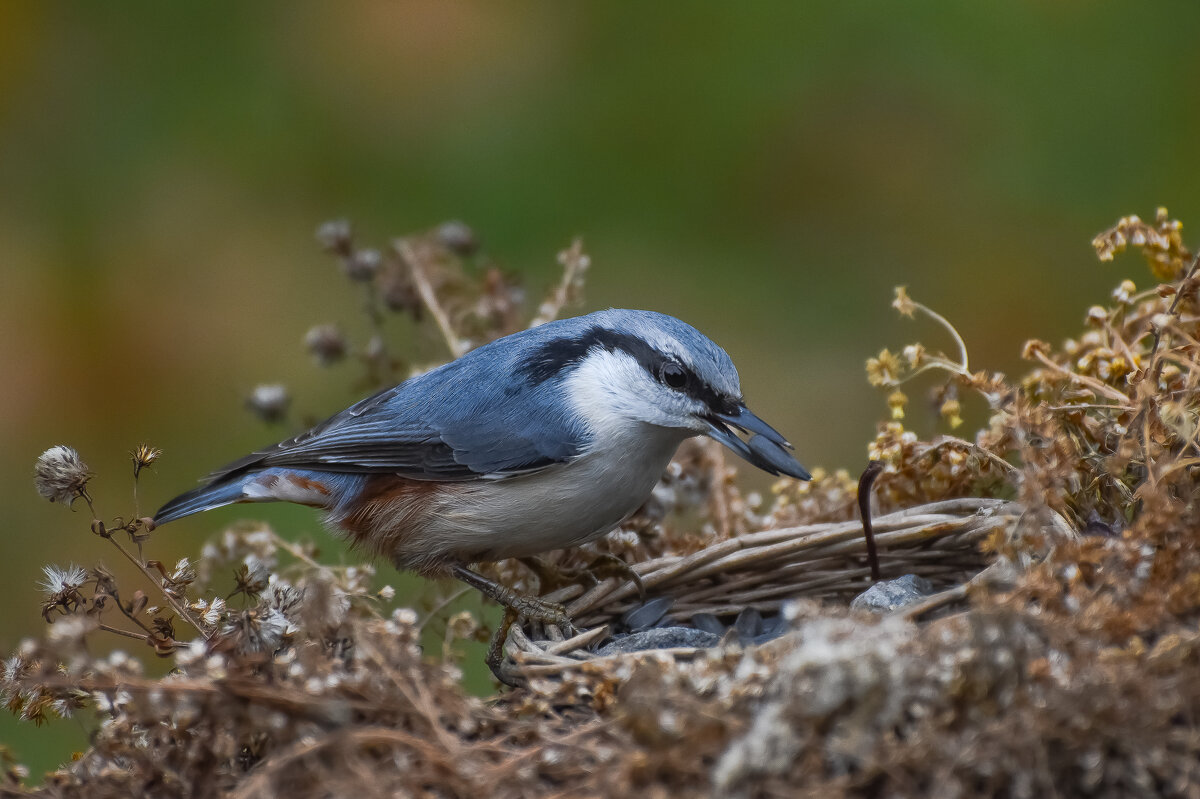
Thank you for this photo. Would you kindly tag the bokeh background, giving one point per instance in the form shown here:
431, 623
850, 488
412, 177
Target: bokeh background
768, 173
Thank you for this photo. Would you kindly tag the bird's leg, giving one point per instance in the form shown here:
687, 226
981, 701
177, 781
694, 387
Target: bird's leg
525, 606
495, 653
516, 606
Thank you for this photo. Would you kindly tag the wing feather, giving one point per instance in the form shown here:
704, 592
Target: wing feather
437, 426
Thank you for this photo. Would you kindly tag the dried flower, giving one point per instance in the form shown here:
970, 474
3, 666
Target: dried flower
1124, 292
143, 456
903, 303
456, 237
326, 344
269, 401
915, 355
61, 475
1161, 243
336, 236
885, 369
951, 411
60, 581
362, 265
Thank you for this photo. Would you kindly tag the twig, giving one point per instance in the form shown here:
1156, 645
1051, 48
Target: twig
944, 322
574, 261
992, 457
1156, 365
864, 508
179, 609
109, 628
456, 345
440, 606
1096, 386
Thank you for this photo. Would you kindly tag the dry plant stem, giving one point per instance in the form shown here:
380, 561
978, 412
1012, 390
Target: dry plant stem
1096, 387
378, 360
417, 695
992, 457
179, 609
941, 320
110, 629
456, 345
1156, 365
1156, 362
130, 616
720, 489
1083, 406
561, 294
864, 508
296, 552
262, 782
440, 606
940, 599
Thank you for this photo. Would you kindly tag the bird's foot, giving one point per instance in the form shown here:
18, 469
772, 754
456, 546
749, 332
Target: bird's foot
551, 577
517, 607
609, 565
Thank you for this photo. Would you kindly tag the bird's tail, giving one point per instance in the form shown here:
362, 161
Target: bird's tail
201, 499
302, 486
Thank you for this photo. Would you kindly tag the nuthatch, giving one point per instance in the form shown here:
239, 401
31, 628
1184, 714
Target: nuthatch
541, 440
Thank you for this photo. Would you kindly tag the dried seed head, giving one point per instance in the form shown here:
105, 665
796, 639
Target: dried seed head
143, 456
326, 344
336, 236
61, 475
269, 401
951, 411
1033, 348
456, 237
1124, 292
884, 370
902, 302
59, 582
362, 265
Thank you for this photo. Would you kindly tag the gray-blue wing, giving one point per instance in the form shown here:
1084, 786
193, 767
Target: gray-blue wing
435, 427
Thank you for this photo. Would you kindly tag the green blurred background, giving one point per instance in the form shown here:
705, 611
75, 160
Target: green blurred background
766, 173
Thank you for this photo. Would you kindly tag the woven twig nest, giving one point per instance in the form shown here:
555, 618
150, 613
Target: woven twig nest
761, 572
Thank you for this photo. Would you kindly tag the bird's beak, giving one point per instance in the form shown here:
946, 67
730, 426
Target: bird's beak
765, 448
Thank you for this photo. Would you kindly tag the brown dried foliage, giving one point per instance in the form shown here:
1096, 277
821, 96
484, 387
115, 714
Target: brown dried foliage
1072, 676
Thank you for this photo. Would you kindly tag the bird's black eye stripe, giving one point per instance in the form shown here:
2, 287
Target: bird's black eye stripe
672, 375
552, 358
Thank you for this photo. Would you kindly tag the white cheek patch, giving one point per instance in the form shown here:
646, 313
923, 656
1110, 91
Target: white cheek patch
609, 390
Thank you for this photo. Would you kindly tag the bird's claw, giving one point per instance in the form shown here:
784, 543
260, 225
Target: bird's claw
531, 608
551, 577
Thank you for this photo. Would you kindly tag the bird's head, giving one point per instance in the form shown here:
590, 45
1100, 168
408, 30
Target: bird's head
619, 368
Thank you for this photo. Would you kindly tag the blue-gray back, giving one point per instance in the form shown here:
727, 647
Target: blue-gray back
496, 411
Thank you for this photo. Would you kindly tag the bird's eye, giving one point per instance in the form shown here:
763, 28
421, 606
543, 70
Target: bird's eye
673, 375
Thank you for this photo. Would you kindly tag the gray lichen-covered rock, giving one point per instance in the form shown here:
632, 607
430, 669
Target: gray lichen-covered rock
891, 594
659, 638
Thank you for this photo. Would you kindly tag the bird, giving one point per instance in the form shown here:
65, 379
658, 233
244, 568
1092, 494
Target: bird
541, 440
